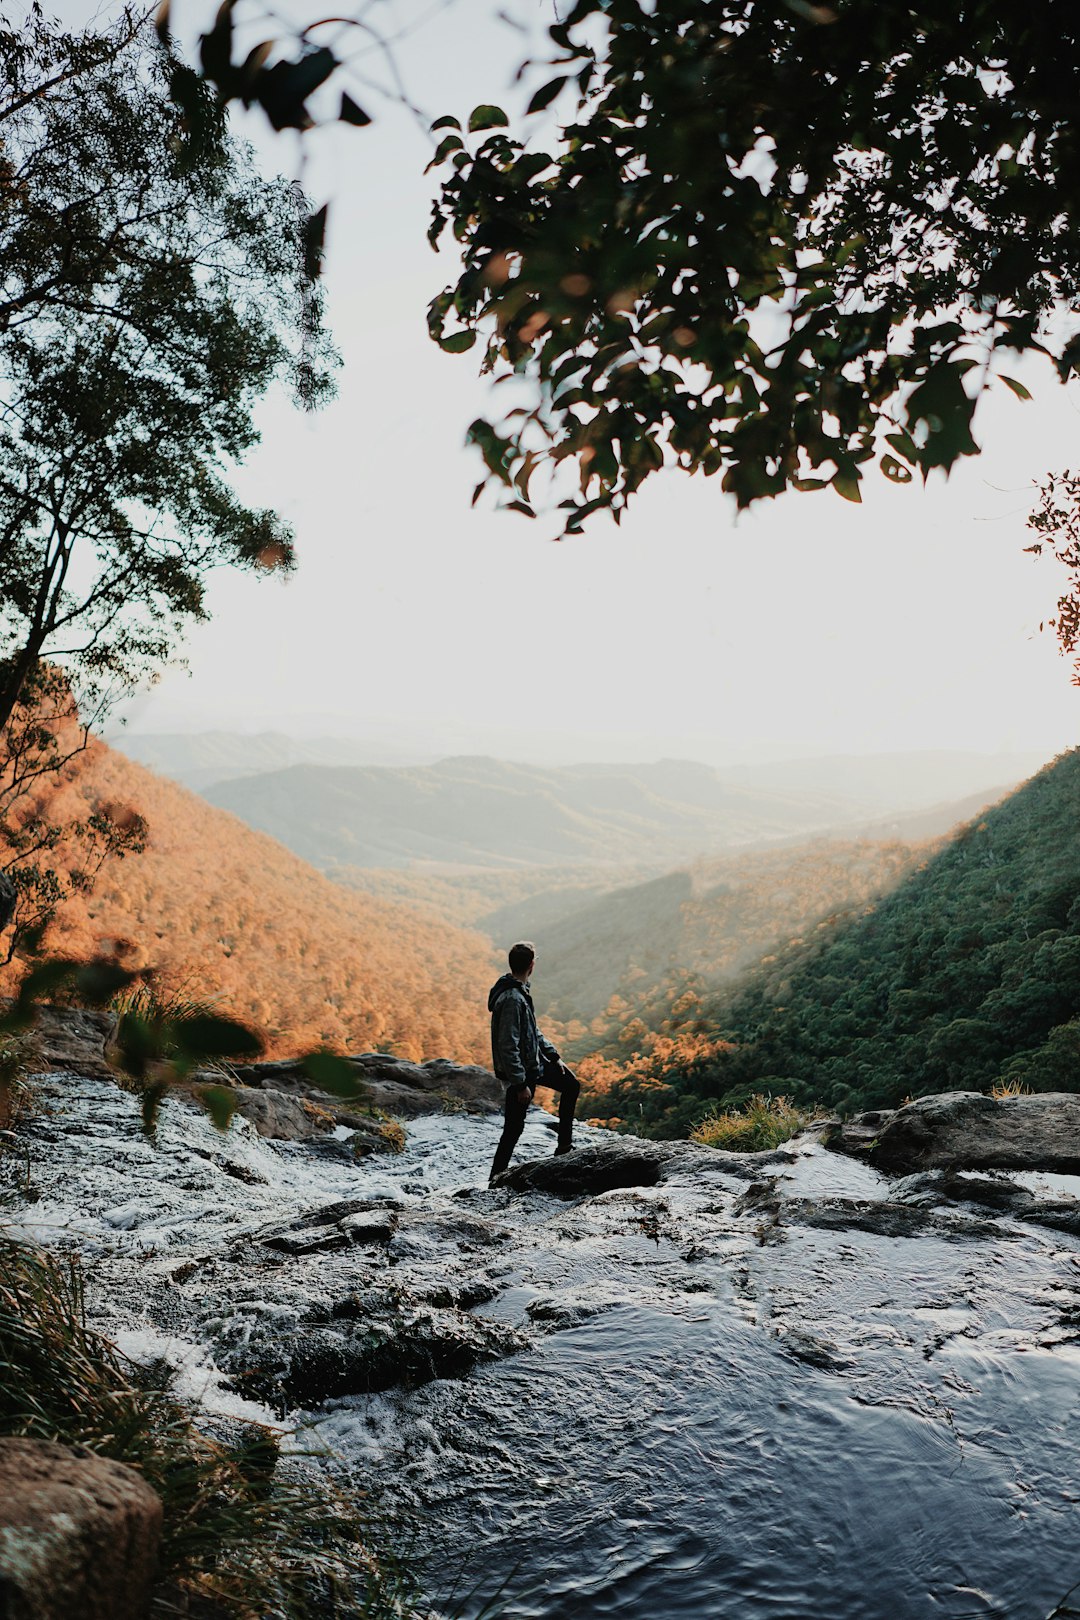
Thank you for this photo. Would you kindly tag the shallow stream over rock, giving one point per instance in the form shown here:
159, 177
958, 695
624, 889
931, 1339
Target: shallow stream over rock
755, 1389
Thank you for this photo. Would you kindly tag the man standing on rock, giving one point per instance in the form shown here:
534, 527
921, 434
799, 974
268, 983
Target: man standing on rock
523, 1059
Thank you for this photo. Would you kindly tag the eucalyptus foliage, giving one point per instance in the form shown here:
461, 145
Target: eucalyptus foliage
778, 242
152, 288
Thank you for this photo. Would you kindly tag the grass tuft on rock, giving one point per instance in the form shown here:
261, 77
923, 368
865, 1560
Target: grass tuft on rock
761, 1123
248, 1534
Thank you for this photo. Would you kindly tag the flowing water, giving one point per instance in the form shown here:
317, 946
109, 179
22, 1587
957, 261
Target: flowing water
824, 1394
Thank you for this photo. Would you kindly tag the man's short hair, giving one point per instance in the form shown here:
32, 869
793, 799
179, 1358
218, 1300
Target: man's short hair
522, 955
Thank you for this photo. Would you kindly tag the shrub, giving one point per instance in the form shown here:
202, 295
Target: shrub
762, 1122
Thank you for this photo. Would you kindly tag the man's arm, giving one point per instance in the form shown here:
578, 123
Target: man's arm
547, 1051
509, 1022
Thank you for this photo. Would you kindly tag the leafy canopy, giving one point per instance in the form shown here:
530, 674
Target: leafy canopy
152, 288
772, 241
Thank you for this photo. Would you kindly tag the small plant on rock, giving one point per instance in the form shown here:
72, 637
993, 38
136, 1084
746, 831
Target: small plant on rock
393, 1134
1009, 1088
761, 1123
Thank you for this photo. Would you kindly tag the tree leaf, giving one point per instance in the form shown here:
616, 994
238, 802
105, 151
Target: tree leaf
546, 94
457, 342
848, 485
151, 1105
137, 1044
46, 977
255, 61
333, 1074
283, 89
896, 471
314, 242
1017, 387
446, 122
219, 1102
352, 113
449, 143
204, 1035
98, 982
487, 117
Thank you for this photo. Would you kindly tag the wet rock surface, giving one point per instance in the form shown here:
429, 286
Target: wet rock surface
965, 1130
649, 1378
378, 1338
626, 1161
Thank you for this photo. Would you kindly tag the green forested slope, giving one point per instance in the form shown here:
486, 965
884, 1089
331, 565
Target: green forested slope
645, 957
967, 973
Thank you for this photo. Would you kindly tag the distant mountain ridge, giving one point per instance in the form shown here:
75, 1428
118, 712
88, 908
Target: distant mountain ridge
199, 758
876, 785
490, 813
613, 968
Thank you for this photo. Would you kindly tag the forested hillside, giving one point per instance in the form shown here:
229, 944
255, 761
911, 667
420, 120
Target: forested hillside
505, 903
645, 959
966, 974
224, 912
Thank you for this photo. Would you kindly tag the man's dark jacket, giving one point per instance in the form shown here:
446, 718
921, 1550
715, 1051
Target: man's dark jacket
518, 1050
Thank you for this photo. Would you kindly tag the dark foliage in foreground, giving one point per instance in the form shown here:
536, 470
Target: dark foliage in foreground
779, 243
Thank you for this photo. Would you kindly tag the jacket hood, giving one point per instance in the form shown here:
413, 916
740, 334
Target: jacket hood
499, 987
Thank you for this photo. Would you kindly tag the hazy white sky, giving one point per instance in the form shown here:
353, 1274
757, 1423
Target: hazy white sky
910, 622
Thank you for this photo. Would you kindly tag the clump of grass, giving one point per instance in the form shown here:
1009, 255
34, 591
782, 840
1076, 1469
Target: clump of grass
246, 1534
153, 1004
1009, 1088
14, 1063
762, 1122
393, 1134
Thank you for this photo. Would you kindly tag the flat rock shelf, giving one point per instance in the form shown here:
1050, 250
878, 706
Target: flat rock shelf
642, 1380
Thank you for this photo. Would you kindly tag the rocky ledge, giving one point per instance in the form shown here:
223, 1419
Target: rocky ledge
628, 1161
278, 1098
389, 1083
965, 1130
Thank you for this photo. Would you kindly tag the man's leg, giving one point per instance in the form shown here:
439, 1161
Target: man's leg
569, 1089
514, 1112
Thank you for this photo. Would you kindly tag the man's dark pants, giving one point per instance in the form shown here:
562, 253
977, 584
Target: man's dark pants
514, 1112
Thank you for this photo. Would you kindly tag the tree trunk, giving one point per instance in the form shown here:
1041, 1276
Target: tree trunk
14, 673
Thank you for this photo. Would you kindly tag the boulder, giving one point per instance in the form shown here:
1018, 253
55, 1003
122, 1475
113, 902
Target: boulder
965, 1130
377, 1339
598, 1168
78, 1534
631, 1161
367, 1227
283, 1118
